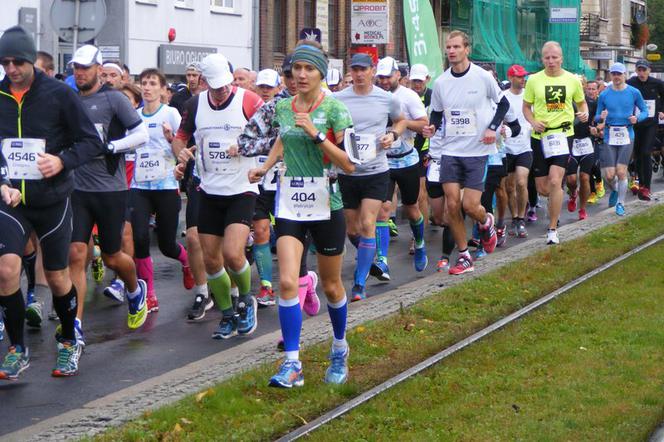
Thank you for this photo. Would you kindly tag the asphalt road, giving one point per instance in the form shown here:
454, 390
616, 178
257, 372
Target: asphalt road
116, 357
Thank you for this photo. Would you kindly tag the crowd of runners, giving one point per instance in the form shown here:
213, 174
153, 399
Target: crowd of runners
306, 159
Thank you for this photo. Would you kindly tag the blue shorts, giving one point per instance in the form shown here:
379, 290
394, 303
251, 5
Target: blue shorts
468, 172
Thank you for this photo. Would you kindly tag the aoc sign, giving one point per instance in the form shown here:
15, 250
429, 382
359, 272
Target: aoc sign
369, 22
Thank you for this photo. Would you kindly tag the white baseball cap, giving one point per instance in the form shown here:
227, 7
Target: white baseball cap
216, 70
86, 56
333, 77
386, 66
419, 72
268, 77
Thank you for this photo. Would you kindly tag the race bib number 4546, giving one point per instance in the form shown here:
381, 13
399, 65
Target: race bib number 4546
21, 155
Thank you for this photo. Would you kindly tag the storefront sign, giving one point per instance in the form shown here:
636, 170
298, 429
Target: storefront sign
369, 22
563, 15
173, 59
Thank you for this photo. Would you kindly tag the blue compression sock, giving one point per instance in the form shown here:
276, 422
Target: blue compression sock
290, 318
338, 313
263, 257
418, 231
365, 254
382, 240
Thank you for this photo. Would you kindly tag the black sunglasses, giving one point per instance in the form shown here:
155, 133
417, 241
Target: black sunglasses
18, 63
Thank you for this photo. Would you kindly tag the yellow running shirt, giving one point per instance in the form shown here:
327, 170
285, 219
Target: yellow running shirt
552, 99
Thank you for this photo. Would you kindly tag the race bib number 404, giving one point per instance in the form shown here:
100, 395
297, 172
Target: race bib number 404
460, 123
21, 155
303, 198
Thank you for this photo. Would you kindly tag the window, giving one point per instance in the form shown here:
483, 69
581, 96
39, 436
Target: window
279, 27
222, 5
184, 4
332, 18
309, 14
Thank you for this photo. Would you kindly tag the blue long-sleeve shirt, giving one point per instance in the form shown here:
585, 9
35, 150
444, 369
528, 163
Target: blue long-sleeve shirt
620, 105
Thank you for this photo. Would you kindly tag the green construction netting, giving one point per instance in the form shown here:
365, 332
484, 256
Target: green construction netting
507, 32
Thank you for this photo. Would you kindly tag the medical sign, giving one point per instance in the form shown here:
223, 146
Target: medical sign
369, 22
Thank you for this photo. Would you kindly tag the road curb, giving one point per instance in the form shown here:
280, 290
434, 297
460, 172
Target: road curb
120, 407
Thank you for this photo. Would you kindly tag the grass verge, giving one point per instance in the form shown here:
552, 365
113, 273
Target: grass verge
588, 366
244, 408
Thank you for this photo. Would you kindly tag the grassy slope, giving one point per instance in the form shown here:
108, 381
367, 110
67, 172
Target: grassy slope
244, 408
589, 366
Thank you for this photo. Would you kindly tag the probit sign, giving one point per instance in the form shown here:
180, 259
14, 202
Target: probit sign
369, 22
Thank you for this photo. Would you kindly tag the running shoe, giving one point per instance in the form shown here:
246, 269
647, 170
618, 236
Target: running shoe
443, 264
592, 199
464, 264
420, 259
380, 270
69, 352
655, 164
358, 293
644, 194
511, 230
613, 198
582, 214
280, 344
115, 291
266, 296
289, 375
202, 303
571, 203
30, 296
634, 186
187, 278
33, 314
600, 190
2, 328
337, 372
521, 231
501, 237
474, 242
138, 309
479, 253
78, 332
394, 230
16, 360
620, 209
552, 237
411, 248
488, 235
531, 217
227, 327
247, 319
152, 302
311, 304
98, 269
52, 315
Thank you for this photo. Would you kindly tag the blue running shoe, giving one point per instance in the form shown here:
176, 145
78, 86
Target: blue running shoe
16, 360
420, 259
138, 308
358, 293
337, 372
613, 198
115, 291
247, 319
227, 328
480, 253
380, 270
69, 352
289, 375
620, 209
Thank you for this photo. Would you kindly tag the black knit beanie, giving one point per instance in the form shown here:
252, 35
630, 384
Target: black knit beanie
17, 43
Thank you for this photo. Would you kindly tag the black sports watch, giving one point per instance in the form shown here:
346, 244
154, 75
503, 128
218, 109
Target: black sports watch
394, 134
319, 138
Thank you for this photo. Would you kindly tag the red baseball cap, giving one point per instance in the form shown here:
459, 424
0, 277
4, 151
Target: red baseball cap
516, 71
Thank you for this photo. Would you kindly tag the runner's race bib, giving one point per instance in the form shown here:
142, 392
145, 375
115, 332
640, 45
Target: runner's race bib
21, 155
583, 146
303, 198
150, 165
270, 179
460, 123
433, 171
618, 136
651, 108
215, 158
554, 145
366, 147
